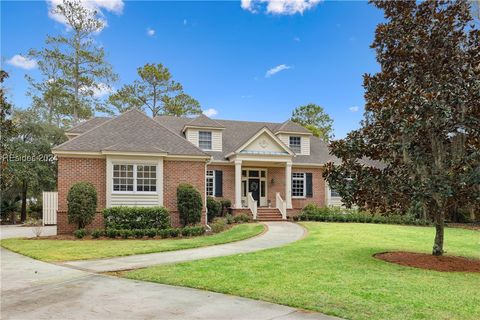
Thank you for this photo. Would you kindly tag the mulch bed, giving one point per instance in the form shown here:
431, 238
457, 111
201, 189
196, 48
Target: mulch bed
427, 261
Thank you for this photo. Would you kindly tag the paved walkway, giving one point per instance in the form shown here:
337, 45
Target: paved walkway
31, 289
278, 234
17, 231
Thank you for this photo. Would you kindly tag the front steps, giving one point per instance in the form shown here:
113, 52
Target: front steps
269, 214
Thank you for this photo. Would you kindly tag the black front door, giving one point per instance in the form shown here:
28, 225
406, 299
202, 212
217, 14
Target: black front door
254, 188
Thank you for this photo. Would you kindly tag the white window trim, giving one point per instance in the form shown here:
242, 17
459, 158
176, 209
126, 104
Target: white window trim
135, 178
211, 140
213, 184
304, 185
299, 146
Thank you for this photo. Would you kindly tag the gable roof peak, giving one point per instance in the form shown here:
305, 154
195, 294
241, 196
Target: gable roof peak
291, 126
203, 121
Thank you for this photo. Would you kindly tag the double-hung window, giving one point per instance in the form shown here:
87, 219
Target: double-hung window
134, 178
210, 183
298, 184
334, 193
205, 140
296, 144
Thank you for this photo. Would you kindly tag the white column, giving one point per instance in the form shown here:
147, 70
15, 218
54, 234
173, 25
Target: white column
238, 184
288, 184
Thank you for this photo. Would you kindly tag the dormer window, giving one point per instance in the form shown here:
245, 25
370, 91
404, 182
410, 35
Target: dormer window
296, 144
205, 140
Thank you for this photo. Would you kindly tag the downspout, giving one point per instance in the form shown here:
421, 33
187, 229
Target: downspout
205, 194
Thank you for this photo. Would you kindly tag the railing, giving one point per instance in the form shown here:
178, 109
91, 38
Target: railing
281, 205
252, 205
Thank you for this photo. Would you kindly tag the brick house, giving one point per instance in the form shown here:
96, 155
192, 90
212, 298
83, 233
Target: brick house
268, 170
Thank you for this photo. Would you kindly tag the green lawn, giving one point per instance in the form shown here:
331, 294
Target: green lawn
332, 271
64, 250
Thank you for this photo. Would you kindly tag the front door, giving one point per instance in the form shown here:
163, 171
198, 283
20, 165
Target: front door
254, 188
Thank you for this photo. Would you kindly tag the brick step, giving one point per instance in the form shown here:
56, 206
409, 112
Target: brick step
268, 210
259, 218
269, 214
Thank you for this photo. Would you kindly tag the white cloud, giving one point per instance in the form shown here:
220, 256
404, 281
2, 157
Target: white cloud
287, 7
114, 6
150, 32
354, 108
185, 22
20, 61
210, 112
276, 70
99, 91
297, 39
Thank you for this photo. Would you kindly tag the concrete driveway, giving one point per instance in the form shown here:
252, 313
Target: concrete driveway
277, 235
17, 231
31, 289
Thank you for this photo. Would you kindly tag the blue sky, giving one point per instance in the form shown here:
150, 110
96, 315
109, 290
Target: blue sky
222, 52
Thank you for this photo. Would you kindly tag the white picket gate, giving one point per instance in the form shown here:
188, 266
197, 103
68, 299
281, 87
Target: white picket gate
50, 207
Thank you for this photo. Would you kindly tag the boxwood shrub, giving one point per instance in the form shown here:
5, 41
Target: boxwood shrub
334, 214
131, 218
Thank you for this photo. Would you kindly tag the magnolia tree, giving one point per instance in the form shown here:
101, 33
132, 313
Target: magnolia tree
422, 119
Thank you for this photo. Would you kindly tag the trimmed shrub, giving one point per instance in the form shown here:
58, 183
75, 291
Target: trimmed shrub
138, 233
242, 218
80, 233
97, 233
213, 208
229, 218
193, 231
111, 233
125, 233
189, 204
218, 225
173, 232
151, 232
313, 213
136, 218
82, 204
163, 233
226, 207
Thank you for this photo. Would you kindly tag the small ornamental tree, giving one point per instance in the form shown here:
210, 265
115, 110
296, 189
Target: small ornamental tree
189, 204
82, 204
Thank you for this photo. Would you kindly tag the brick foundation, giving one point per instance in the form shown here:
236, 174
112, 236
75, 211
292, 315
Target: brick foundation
64, 227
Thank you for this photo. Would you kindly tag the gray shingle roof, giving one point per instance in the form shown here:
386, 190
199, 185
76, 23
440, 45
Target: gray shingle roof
204, 121
132, 131
236, 133
88, 124
290, 126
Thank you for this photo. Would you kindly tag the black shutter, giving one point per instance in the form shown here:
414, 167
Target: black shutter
308, 177
218, 183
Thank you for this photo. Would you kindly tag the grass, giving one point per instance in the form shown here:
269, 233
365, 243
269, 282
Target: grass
64, 250
332, 271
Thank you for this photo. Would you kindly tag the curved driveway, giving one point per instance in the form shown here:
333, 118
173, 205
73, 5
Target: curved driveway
278, 234
31, 289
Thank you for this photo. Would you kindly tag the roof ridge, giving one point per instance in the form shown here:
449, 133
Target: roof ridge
85, 122
101, 124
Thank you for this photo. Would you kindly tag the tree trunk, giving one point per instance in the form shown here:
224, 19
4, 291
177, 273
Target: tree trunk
23, 212
439, 233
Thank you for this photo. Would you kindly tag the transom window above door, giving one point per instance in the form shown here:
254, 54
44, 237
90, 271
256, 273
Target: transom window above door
205, 140
295, 144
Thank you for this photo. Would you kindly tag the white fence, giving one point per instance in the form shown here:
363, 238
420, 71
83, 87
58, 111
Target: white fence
50, 207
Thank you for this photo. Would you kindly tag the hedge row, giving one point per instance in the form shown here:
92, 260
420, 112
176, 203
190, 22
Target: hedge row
140, 233
313, 213
131, 218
